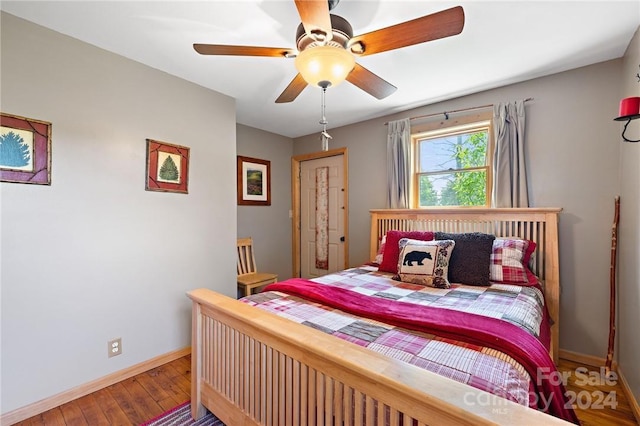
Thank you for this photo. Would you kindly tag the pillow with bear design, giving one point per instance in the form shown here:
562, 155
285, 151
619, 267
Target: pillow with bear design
391, 250
424, 262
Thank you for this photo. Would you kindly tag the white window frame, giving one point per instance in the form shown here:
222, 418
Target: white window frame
447, 127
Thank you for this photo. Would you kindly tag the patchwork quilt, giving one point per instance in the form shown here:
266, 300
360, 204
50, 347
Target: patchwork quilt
480, 366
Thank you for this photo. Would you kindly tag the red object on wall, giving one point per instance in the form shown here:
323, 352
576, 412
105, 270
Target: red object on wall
629, 108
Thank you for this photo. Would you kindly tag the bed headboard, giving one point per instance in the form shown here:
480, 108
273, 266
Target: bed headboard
535, 224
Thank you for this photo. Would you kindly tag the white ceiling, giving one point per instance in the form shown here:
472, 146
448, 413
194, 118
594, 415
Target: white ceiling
502, 42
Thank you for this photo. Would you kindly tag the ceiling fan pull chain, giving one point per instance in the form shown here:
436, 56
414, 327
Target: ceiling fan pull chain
323, 120
324, 136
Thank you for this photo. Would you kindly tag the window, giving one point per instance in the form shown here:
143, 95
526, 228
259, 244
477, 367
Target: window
452, 165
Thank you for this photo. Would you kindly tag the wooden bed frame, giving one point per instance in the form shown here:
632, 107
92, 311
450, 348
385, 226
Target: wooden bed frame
251, 367
535, 224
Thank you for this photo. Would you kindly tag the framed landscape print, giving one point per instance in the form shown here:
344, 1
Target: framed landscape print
167, 167
254, 181
25, 150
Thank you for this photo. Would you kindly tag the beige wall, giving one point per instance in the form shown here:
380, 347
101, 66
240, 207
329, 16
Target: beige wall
269, 226
94, 256
628, 347
572, 149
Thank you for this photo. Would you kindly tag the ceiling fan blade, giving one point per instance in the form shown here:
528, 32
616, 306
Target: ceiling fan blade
431, 27
292, 91
223, 49
314, 15
370, 82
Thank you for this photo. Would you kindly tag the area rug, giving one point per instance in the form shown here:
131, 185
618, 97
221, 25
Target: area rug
181, 416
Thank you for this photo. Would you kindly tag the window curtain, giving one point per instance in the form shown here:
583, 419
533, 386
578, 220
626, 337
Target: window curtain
509, 171
398, 163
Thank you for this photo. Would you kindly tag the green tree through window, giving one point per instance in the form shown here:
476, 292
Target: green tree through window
469, 188
428, 195
452, 169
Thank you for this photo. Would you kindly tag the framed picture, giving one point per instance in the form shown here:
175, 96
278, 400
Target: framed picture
167, 167
25, 150
254, 182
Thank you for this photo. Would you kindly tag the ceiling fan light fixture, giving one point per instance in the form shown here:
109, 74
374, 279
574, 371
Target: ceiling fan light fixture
324, 66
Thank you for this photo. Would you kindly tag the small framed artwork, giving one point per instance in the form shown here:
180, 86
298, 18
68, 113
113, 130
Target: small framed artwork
25, 150
254, 181
167, 167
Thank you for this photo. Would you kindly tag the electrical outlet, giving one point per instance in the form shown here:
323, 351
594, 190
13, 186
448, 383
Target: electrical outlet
115, 347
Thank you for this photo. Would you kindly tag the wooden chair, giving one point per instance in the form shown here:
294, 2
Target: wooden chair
248, 275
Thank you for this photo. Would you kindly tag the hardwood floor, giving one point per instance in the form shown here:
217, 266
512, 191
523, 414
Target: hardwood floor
149, 394
130, 402
592, 391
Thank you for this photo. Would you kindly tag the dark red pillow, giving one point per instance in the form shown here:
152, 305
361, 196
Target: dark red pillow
392, 251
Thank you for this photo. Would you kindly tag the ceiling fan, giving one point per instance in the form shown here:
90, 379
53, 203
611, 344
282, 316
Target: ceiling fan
324, 38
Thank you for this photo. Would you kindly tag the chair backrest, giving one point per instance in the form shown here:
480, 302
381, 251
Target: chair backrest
246, 258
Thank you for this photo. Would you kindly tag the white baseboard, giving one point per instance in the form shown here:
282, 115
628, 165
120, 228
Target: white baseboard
43, 405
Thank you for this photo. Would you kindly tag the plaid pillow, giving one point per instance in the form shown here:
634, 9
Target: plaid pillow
378, 258
510, 260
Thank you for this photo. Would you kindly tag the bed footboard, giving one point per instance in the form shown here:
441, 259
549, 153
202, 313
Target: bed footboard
251, 367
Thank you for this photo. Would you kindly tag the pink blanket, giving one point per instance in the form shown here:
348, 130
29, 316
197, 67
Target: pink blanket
470, 328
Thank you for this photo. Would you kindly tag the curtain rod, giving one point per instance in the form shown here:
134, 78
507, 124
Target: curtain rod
446, 113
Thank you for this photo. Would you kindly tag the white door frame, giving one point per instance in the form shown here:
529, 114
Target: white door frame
295, 195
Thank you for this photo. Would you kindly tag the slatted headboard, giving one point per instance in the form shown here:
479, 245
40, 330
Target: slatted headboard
535, 224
